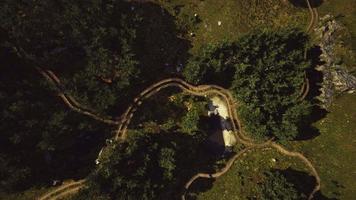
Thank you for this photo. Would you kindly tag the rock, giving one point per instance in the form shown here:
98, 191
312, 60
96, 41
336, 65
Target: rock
335, 76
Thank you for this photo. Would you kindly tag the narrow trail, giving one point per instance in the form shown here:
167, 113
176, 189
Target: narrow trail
172, 82
63, 190
238, 155
202, 90
223, 170
67, 99
304, 91
314, 17
70, 101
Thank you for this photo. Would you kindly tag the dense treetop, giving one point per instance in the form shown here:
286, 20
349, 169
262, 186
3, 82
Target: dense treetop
265, 71
276, 186
105, 52
101, 51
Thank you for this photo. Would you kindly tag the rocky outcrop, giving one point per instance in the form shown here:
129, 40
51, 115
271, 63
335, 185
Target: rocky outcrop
336, 78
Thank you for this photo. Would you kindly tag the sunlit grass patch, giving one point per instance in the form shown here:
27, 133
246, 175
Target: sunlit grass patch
229, 19
333, 151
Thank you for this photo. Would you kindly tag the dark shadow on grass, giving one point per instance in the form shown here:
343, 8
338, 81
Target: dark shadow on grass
308, 131
303, 182
199, 186
158, 48
315, 78
303, 3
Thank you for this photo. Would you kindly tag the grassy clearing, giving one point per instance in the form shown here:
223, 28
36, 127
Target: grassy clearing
241, 180
333, 151
237, 17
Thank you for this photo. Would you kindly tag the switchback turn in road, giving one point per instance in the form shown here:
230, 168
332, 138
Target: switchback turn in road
201, 90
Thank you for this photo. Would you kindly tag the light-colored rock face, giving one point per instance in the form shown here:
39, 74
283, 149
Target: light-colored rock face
224, 137
221, 107
229, 138
335, 76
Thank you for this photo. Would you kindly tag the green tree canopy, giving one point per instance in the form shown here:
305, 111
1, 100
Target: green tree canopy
89, 42
276, 186
147, 166
265, 70
104, 52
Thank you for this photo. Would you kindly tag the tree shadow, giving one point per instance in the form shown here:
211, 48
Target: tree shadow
303, 182
159, 49
199, 186
44, 151
315, 78
304, 4
308, 131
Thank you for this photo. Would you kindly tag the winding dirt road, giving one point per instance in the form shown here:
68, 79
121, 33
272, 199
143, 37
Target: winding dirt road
70, 101
63, 190
314, 16
201, 90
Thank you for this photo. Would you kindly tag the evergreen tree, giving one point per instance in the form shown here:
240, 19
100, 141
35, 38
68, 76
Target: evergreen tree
276, 186
265, 71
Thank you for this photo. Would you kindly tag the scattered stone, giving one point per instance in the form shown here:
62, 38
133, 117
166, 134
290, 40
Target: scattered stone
56, 182
335, 75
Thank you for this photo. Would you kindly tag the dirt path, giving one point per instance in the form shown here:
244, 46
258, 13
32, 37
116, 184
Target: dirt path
250, 148
201, 90
63, 190
70, 101
304, 91
314, 16
223, 170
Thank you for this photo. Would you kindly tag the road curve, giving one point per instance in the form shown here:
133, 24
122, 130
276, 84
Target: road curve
231, 104
70, 101
201, 90
314, 16
63, 190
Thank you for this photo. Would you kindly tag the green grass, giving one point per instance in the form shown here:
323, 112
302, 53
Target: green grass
237, 17
241, 180
333, 151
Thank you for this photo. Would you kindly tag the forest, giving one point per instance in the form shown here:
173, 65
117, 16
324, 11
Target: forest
63, 58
